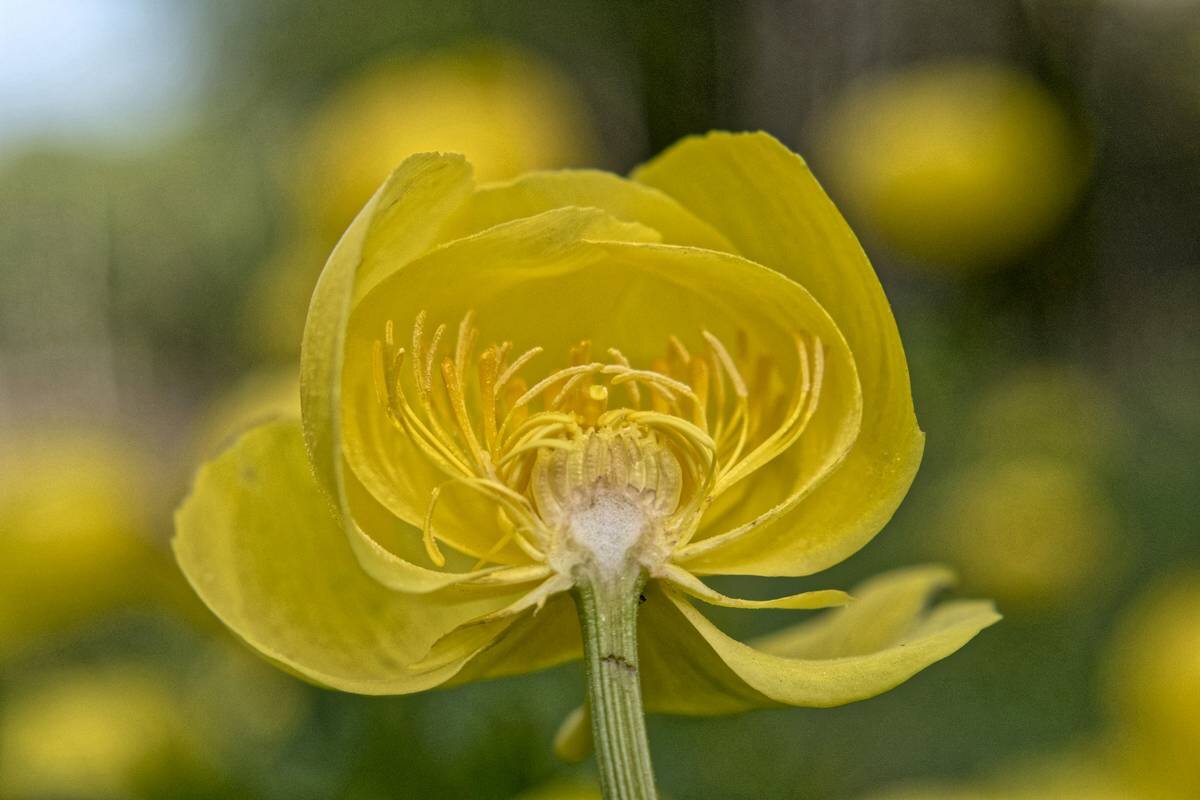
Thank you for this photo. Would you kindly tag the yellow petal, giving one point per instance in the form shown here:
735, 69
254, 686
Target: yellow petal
468, 274
257, 541
693, 586
539, 639
400, 221
878, 641
538, 192
398, 224
883, 610
547, 280
763, 197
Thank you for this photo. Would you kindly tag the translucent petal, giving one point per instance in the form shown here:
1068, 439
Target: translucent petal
257, 541
691, 585
763, 197
538, 192
399, 223
538, 640
878, 641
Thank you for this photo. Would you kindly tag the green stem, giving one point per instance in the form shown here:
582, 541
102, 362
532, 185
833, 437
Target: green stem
608, 609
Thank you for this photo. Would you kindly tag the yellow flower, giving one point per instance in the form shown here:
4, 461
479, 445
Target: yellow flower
511, 110
1154, 687
1082, 774
73, 514
572, 377
98, 733
1043, 469
961, 166
1051, 511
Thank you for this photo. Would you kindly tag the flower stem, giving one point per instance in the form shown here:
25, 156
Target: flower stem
608, 607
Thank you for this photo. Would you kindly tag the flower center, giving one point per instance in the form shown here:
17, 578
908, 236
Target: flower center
576, 475
607, 496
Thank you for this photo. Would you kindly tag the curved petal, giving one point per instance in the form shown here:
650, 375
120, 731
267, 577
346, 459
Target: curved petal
626, 200
681, 674
807, 601
398, 224
548, 280
763, 197
883, 610
539, 639
877, 642
257, 541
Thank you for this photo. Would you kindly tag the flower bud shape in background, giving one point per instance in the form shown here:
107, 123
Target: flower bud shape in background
73, 533
1053, 512
100, 733
962, 167
510, 390
1030, 399
1035, 483
507, 107
1154, 687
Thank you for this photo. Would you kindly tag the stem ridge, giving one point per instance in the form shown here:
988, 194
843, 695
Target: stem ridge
608, 606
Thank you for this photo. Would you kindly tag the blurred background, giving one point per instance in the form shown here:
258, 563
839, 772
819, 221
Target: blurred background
1024, 175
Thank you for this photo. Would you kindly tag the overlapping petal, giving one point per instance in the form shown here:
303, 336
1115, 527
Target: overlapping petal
883, 637
541, 280
257, 541
623, 199
765, 200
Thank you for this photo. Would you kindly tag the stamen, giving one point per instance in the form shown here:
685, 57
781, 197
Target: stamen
513, 368
635, 394
489, 367
427, 535
690, 416
679, 350
739, 386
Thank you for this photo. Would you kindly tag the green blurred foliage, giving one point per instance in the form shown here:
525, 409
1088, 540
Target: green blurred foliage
127, 274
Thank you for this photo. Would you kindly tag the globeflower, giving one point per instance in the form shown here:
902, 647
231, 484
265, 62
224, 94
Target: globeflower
535, 414
73, 543
962, 167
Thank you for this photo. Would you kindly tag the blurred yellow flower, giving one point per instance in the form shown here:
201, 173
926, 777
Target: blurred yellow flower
238, 702
1082, 775
577, 382
510, 109
73, 514
1023, 415
90, 733
1052, 512
563, 790
1154, 687
961, 166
